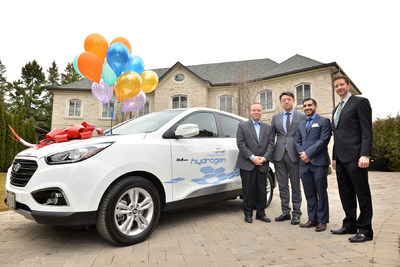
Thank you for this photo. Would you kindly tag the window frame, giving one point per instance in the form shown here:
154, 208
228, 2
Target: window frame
69, 105
180, 95
298, 100
108, 110
142, 108
266, 104
224, 97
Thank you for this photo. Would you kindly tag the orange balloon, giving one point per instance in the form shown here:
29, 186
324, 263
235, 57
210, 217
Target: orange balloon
90, 66
129, 85
97, 44
122, 40
149, 81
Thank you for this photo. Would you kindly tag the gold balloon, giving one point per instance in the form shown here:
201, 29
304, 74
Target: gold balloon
149, 81
129, 85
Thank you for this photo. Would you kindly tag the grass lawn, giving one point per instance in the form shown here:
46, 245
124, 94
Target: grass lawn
3, 205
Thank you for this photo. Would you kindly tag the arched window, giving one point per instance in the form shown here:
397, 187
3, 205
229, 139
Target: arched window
145, 109
179, 101
302, 91
74, 108
266, 100
225, 103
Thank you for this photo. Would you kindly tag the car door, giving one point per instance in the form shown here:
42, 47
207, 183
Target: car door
201, 164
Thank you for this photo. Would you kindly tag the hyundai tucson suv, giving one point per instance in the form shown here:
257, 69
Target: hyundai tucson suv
121, 181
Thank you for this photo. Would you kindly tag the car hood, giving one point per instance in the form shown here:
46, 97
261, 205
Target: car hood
62, 146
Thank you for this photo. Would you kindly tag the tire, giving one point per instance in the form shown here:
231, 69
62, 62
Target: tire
270, 189
129, 211
270, 192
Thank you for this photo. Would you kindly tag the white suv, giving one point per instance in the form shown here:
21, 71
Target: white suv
121, 181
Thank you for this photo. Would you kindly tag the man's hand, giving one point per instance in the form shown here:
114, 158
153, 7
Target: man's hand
258, 160
334, 164
304, 157
363, 162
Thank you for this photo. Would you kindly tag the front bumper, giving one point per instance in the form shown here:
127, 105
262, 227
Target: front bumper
56, 218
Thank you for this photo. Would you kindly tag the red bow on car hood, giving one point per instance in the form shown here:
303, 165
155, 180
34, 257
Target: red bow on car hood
78, 131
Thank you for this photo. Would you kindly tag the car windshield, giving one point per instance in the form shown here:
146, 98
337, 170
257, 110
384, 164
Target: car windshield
144, 124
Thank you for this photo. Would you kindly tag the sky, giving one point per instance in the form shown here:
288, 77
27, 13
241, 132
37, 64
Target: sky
361, 36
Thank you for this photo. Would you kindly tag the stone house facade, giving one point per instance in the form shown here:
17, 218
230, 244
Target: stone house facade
211, 85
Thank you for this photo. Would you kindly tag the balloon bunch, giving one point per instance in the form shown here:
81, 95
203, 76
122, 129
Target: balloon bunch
115, 72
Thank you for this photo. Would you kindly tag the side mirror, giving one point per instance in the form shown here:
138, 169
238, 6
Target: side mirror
187, 130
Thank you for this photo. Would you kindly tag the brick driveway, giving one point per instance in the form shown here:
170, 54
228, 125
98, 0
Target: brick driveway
216, 236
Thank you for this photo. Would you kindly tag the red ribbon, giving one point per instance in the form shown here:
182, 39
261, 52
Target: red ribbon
57, 135
78, 131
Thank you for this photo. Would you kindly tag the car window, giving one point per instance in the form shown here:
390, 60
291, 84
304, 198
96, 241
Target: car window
206, 123
145, 124
228, 125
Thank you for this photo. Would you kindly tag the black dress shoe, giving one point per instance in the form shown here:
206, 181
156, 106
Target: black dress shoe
358, 238
343, 231
282, 217
248, 219
263, 218
295, 220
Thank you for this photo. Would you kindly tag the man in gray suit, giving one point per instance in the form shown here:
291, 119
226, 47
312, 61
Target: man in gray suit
255, 143
286, 158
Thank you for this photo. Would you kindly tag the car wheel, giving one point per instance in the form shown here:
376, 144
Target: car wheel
270, 189
270, 192
129, 211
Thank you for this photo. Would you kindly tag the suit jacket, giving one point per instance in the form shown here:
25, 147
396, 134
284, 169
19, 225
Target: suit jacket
248, 145
282, 137
314, 141
353, 134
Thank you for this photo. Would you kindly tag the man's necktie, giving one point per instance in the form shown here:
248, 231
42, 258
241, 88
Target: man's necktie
338, 113
308, 124
287, 121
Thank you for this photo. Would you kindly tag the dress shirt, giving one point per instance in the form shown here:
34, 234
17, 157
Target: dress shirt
345, 99
284, 119
257, 128
309, 120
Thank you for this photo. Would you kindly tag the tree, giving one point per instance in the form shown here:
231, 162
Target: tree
386, 142
70, 75
3, 138
9, 143
245, 95
30, 94
3, 82
53, 78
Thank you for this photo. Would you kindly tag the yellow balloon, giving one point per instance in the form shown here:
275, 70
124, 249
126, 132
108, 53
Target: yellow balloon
129, 85
149, 81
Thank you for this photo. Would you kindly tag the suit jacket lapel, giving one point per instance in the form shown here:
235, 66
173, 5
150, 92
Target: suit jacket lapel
315, 120
252, 130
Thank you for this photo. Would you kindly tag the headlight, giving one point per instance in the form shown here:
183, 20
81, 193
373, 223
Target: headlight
76, 154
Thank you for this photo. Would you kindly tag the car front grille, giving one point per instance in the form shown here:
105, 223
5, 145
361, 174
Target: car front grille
22, 171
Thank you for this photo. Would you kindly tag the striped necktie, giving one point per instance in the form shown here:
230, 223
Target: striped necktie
338, 113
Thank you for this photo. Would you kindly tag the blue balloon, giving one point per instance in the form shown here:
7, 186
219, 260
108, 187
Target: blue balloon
118, 57
136, 64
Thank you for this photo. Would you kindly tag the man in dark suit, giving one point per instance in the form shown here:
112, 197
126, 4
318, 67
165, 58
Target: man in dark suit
255, 143
285, 157
352, 132
311, 141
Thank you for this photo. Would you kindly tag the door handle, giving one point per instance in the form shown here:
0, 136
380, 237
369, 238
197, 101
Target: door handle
219, 150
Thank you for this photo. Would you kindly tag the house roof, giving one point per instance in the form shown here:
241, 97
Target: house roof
226, 73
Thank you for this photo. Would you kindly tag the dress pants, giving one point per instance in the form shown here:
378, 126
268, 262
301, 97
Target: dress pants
353, 184
254, 182
286, 169
315, 183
